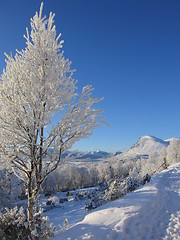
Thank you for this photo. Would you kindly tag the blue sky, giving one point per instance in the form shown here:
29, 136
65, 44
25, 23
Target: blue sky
128, 50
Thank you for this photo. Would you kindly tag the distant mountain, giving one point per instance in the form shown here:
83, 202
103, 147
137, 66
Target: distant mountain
144, 147
117, 153
95, 155
87, 156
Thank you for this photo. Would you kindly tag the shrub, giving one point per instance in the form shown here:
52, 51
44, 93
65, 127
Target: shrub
43, 229
13, 225
116, 189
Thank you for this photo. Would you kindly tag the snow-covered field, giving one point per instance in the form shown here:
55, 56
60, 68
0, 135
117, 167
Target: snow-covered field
150, 212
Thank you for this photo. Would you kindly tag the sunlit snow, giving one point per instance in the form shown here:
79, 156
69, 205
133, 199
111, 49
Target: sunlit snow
150, 212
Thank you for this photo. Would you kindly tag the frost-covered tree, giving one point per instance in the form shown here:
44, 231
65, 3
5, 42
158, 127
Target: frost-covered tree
41, 113
173, 151
93, 175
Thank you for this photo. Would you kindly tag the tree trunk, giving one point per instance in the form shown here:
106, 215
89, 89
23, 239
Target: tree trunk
30, 213
31, 209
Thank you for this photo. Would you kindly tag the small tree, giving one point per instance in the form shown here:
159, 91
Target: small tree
41, 114
173, 151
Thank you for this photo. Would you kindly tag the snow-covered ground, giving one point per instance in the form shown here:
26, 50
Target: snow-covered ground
150, 212
72, 210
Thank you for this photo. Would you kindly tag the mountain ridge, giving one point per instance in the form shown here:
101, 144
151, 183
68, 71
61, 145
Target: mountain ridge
145, 146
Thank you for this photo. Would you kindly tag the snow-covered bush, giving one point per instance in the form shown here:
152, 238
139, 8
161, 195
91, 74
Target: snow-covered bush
146, 179
116, 189
80, 195
54, 200
132, 184
65, 225
173, 230
96, 200
43, 229
13, 225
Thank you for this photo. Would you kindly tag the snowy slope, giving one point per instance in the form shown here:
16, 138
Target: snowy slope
144, 147
151, 212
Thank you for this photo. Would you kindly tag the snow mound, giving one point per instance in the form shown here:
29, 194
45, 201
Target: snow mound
150, 212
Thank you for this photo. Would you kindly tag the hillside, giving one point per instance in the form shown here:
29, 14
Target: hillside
144, 147
150, 212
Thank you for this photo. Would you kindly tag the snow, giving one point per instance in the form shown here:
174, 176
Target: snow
146, 146
72, 210
150, 212
171, 139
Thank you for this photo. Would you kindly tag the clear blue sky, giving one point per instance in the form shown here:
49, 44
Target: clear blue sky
128, 50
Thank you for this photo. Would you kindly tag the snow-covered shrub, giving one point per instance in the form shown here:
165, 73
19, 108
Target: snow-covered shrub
173, 230
116, 189
54, 200
132, 184
96, 200
43, 229
13, 225
102, 186
80, 195
146, 179
65, 225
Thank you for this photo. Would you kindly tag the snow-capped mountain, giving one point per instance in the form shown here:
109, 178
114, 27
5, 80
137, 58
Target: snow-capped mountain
144, 147
88, 156
95, 155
